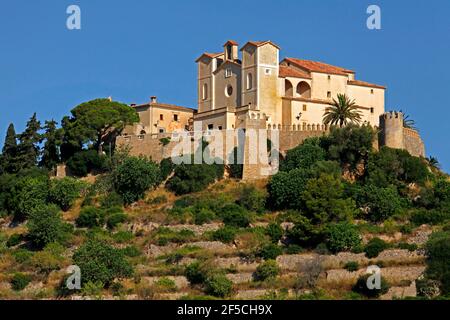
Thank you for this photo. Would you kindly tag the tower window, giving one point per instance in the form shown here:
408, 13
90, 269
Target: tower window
161, 117
229, 91
175, 117
372, 110
371, 91
249, 81
329, 94
305, 108
210, 126
205, 91
267, 71
228, 72
329, 77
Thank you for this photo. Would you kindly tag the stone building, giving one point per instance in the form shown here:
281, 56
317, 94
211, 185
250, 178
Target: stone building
290, 93
160, 118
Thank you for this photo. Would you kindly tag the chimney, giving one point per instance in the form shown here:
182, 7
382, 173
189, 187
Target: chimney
153, 99
110, 98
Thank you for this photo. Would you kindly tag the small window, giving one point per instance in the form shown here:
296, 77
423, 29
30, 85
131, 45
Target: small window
249, 81
371, 91
305, 108
161, 117
210, 126
175, 117
268, 71
329, 77
161, 130
329, 94
229, 91
220, 127
205, 91
228, 72
372, 110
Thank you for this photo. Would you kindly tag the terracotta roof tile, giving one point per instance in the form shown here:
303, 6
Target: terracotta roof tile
165, 106
232, 42
260, 43
292, 72
315, 66
210, 55
365, 84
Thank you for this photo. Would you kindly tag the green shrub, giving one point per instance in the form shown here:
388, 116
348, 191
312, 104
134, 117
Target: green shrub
133, 177
252, 199
190, 178
115, 219
383, 203
131, 251
305, 233
438, 262
203, 215
302, 156
275, 232
432, 217
166, 284
285, 188
91, 217
218, 285
196, 273
362, 288
22, 255
342, 237
19, 281
374, 247
234, 215
225, 234
46, 261
267, 270
111, 200
45, 226
165, 235
166, 167
30, 193
157, 200
86, 161
123, 236
101, 262
64, 192
269, 251
407, 246
351, 266
294, 249
14, 240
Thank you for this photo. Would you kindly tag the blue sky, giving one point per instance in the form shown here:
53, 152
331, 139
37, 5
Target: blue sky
134, 49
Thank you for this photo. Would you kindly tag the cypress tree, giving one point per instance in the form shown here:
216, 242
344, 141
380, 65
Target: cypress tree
8, 161
28, 148
50, 153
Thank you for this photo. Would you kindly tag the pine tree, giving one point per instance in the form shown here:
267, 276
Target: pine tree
50, 153
28, 149
8, 161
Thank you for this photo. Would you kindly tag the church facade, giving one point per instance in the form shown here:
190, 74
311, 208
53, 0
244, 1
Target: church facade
251, 82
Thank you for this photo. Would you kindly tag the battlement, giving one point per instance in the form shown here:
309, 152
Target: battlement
392, 115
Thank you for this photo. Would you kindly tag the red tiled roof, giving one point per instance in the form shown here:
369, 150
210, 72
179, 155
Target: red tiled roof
315, 66
165, 106
292, 72
259, 44
232, 42
365, 84
209, 55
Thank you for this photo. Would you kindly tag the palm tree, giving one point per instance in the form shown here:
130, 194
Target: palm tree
408, 122
433, 162
342, 112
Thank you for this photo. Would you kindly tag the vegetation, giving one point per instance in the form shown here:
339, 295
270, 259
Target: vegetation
342, 111
361, 287
267, 270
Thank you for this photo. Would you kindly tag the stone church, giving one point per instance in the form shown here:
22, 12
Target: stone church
292, 93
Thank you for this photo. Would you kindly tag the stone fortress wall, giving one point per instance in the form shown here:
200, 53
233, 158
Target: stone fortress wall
391, 134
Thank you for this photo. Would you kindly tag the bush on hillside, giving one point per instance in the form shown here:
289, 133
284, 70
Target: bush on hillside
275, 232
302, 156
111, 200
361, 287
234, 215
267, 270
225, 234
166, 167
269, 251
101, 263
374, 247
438, 262
30, 194
115, 219
190, 178
45, 225
91, 217
382, 203
218, 285
252, 199
64, 192
285, 188
342, 236
19, 281
86, 161
133, 177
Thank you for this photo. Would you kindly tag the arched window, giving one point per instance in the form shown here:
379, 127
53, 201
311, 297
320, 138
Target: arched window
249, 81
304, 90
288, 88
205, 91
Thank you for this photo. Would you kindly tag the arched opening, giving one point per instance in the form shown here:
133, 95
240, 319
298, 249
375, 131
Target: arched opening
304, 90
205, 91
288, 90
249, 81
